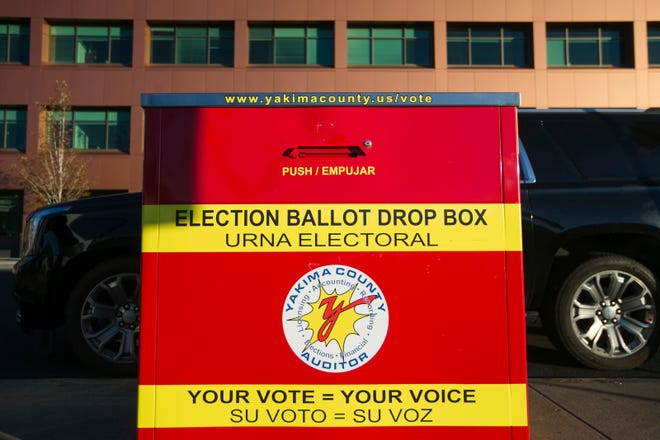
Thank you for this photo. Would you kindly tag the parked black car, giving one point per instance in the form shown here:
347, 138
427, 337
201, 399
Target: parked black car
591, 236
591, 231
80, 267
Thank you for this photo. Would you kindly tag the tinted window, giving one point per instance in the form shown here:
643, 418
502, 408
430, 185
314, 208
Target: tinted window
13, 128
297, 44
91, 44
390, 44
586, 44
592, 146
193, 44
654, 44
99, 129
14, 42
488, 45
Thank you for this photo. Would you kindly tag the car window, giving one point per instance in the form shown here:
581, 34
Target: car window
526, 171
592, 146
550, 163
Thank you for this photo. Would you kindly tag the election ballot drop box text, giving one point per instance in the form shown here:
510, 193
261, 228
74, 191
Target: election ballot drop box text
332, 265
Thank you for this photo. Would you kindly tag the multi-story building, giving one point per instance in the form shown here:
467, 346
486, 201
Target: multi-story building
555, 53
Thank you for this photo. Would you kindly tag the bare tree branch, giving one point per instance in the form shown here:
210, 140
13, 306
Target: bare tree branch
57, 172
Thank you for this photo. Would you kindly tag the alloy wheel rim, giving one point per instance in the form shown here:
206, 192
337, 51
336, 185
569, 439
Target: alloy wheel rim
613, 314
110, 319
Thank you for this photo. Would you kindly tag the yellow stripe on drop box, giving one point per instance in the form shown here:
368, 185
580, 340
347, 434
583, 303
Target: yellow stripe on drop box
188, 406
331, 228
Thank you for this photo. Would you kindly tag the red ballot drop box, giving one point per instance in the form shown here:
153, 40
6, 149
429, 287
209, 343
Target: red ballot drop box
332, 264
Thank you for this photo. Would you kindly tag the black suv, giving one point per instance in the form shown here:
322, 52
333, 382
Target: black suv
591, 231
80, 266
591, 236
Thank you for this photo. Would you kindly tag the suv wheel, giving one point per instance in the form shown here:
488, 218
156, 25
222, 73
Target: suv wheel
103, 317
606, 313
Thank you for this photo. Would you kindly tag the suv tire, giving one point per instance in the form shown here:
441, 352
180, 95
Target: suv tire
103, 317
606, 313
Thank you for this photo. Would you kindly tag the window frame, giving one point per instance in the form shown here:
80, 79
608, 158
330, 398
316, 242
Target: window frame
125, 59
176, 41
4, 127
73, 118
502, 40
655, 27
22, 39
307, 39
404, 27
625, 43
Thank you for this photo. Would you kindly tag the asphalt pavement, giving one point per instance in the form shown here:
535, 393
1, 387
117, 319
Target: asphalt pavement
567, 401
45, 394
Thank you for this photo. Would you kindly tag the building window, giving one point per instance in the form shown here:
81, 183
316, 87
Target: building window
100, 129
91, 44
193, 44
301, 44
13, 128
14, 42
654, 44
489, 45
390, 45
590, 45
11, 212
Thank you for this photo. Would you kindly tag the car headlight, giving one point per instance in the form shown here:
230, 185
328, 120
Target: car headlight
32, 227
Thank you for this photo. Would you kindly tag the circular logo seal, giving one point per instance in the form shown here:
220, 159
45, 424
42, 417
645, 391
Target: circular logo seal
335, 318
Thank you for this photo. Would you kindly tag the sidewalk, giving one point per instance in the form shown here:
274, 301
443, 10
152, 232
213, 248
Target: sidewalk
587, 409
563, 409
